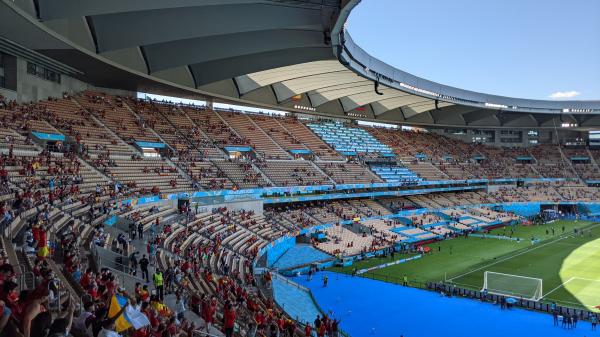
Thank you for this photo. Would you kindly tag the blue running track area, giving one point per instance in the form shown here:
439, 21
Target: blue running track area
300, 255
373, 308
296, 302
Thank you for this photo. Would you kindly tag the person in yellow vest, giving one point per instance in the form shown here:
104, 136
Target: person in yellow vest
160, 308
158, 284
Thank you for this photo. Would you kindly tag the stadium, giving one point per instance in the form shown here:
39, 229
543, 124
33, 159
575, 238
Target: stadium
246, 168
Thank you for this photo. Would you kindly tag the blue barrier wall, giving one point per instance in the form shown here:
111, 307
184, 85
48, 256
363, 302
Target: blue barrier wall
523, 209
593, 209
278, 248
299, 255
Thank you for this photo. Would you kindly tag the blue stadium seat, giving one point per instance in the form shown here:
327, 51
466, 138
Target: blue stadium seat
395, 173
348, 140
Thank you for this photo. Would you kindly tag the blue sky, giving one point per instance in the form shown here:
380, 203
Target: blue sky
543, 49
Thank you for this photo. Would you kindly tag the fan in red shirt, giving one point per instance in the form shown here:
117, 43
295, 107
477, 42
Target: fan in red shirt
172, 326
260, 320
307, 330
209, 313
143, 332
229, 319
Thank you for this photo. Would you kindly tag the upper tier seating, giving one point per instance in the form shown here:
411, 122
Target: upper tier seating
502, 163
348, 173
273, 127
213, 127
426, 170
582, 162
183, 132
177, 129
10, 138
293, 173
408, 145
456, 171
394, 173
159, 117
348, 139
76, 122
315, 144
105, 123
27, 118
241, 174
206, 174
257, 138
454, 159
117, 116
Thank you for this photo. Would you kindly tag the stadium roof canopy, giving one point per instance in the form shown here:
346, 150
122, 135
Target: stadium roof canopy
281, 54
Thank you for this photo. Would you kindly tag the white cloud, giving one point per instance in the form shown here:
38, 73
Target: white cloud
564, 94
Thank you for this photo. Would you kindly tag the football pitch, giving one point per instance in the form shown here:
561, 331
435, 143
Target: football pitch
568, 264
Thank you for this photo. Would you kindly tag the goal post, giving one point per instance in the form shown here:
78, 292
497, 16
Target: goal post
529, 288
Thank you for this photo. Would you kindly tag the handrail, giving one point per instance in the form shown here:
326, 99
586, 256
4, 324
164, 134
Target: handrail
203, 333
124, 273
290, 282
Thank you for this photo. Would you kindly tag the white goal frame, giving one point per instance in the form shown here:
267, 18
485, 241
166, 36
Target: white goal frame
538, 295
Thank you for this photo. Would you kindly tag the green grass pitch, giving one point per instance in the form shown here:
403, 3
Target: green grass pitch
569, 265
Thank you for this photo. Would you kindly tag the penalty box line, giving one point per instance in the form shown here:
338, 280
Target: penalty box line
558, 287
585, 279
574, 278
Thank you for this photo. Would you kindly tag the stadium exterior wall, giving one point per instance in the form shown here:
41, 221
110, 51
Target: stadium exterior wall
31, 88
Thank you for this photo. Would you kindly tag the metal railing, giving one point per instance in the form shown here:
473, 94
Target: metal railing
547, 306
202, 333
122, 271
23, 279
289, 282
410, 282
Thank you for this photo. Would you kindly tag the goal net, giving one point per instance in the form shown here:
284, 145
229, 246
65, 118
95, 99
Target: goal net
513, 285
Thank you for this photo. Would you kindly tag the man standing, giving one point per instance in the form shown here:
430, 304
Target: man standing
317, 322
132, 230
152, 252
158, 284
169, 278
122, 240
140, 229
144, 262
180, 307
133, 262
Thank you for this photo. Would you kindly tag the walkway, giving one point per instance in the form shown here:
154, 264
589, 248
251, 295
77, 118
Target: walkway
373, 308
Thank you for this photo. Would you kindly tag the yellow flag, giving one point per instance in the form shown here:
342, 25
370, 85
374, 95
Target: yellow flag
116, 303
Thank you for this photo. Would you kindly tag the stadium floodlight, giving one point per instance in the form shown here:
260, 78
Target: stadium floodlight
529, 288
